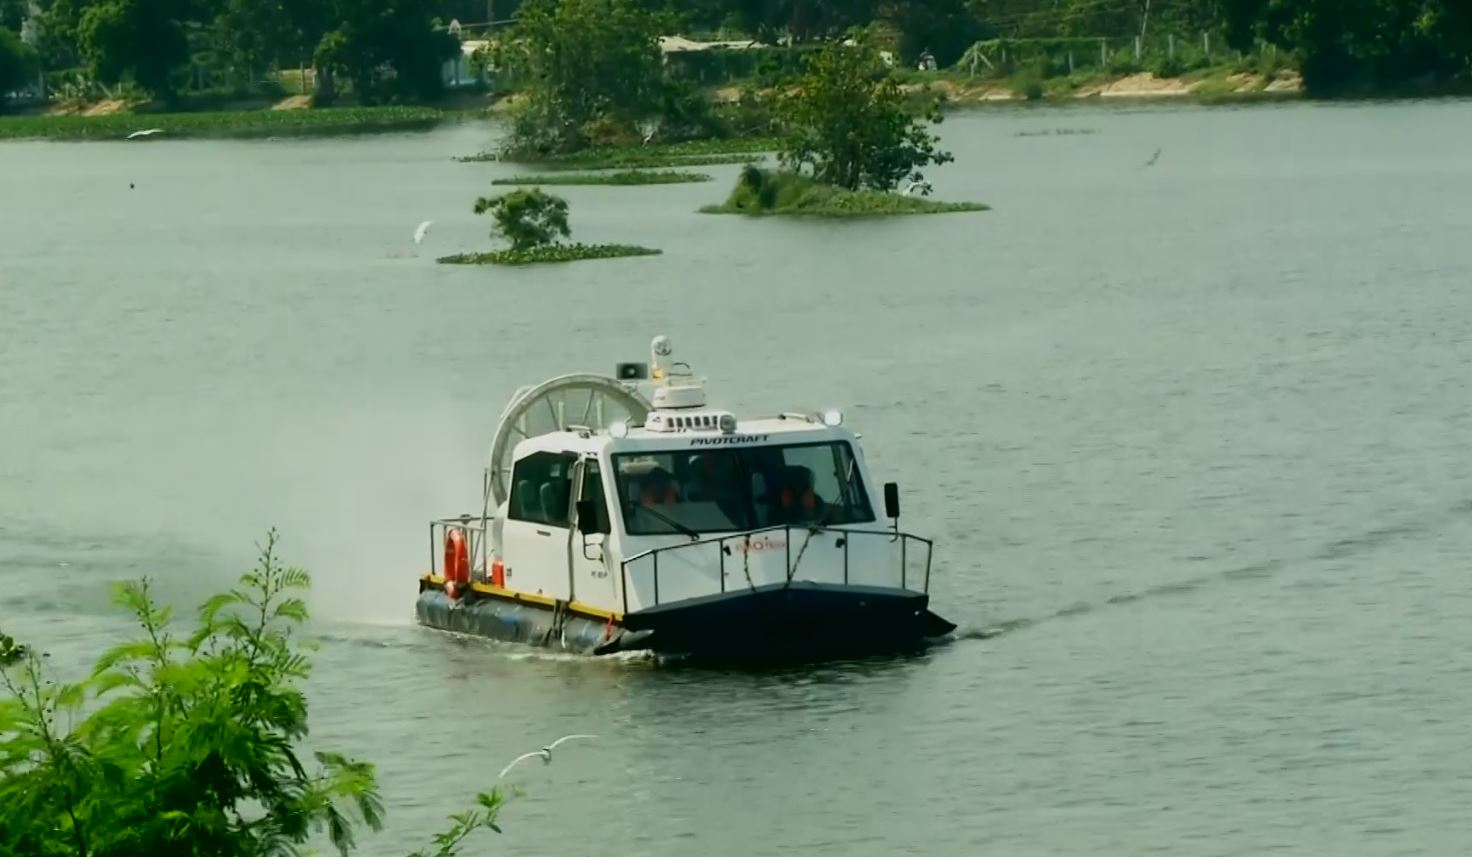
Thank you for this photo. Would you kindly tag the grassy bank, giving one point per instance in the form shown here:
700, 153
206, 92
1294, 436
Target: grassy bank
739, 150
759, 193
234, 124
626, 177
550, 253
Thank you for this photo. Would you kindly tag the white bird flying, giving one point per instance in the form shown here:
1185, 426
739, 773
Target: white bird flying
545, 753
422, 231
149, 133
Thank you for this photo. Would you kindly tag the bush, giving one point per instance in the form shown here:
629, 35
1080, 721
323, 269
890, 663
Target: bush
184, 743
1123, 62
526, 218
1166, 65
1032, 86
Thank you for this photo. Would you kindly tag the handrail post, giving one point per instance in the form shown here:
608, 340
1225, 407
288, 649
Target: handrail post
656, 578
787, 544
623, 574
929, 552
904, 561
848, 537
721, 551
431, 549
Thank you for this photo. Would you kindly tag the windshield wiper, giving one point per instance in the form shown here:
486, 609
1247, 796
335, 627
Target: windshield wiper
679, 527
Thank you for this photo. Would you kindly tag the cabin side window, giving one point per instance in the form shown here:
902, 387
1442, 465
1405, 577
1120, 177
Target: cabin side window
593, 490
541, 489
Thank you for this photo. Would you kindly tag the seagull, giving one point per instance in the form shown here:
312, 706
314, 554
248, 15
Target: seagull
1153, 158
422, 231
149, 133
922, 187
545, 753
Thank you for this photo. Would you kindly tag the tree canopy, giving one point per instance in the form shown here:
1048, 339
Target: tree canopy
18, 63
847, 121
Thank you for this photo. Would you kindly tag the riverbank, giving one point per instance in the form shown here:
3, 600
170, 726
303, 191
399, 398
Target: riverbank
321, 121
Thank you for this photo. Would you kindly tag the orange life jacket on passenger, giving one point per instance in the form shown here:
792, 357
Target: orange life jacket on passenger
671, 496
808, 499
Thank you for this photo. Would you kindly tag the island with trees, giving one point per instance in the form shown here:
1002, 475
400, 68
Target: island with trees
532, 221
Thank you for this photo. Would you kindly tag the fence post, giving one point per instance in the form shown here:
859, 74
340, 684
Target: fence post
1170, 42
1070, 62
1206, 45
1103, 58
1137, 48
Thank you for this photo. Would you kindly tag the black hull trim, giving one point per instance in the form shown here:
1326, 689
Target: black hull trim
801, 621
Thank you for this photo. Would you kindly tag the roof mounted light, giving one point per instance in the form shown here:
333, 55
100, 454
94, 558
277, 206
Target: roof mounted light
728, 423
832, 417
618, 428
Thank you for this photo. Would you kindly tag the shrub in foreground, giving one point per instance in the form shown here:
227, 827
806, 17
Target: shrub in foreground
186, 742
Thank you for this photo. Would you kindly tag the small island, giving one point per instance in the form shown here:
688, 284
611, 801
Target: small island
854, 144
532, 220
760, 192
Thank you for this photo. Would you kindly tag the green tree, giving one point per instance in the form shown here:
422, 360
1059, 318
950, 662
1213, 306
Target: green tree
188, 743
587, 63
18, 64
526, 218
141, 39
368, 35
1344, 44
847, 121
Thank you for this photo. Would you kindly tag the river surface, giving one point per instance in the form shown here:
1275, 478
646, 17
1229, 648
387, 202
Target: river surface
1192, 436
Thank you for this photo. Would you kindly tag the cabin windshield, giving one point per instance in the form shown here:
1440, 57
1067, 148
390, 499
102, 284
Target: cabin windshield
743, 488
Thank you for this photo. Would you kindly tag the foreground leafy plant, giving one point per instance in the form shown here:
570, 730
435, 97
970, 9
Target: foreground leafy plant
189, 743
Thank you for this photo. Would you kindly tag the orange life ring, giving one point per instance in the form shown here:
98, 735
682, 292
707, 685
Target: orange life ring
452, 590
457, 556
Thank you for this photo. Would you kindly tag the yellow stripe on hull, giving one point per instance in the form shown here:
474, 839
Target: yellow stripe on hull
486, 589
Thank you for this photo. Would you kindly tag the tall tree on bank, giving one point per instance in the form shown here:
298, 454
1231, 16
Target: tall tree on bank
1345, 44
592, 67
18, 64
848, 122
140, 39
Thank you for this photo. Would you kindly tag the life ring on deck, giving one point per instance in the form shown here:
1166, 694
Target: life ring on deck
453, 590
457, 557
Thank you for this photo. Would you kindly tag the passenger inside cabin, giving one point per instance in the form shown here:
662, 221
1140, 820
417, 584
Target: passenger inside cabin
658, 488
712, 478
798, 503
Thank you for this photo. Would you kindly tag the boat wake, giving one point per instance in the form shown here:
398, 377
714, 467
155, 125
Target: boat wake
1358, 545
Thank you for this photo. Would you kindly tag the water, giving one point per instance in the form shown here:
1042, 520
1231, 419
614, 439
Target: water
1191, 437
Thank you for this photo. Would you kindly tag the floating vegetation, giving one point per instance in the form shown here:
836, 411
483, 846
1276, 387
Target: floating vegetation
625, 177
759, 192
549, 253
739, 150
233, 123
1057, 132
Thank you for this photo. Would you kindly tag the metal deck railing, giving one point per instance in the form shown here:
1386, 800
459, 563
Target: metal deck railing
722, 552
477, 543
